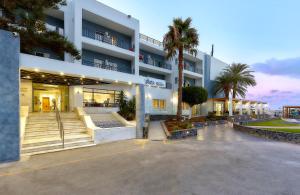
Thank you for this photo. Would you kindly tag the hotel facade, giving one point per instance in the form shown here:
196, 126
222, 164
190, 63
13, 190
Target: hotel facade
115, 57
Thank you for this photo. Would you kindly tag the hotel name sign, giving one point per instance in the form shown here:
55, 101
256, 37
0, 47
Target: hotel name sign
155, 82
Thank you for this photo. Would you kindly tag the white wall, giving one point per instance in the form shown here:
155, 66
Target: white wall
216, 68
158, 93
26, 93
207, 107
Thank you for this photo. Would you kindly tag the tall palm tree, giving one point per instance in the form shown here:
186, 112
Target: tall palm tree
180, 37
241, 77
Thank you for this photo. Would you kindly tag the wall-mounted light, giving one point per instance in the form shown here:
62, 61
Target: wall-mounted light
36, 70
61, 73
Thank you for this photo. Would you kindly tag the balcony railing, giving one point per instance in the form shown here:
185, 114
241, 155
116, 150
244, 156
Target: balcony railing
105, 38
157, 64
193, 69
151, 40
57, 29
103, 64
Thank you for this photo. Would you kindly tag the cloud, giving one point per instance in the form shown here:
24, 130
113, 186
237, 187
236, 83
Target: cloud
287, 67
277, 90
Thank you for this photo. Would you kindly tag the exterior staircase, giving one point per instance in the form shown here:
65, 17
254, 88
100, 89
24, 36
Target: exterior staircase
43, 135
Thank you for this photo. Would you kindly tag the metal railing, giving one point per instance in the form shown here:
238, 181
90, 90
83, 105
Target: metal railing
104, 64
60, 125
105, 38
157, 64
196, 70
151, 40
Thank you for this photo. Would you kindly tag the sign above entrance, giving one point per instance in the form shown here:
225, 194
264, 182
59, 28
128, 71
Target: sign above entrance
155, 82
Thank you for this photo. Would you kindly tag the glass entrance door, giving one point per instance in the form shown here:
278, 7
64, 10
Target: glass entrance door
44, 97
219, 108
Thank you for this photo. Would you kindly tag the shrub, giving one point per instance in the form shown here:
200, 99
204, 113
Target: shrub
126, 107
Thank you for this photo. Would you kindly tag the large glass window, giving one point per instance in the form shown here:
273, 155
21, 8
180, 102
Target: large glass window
159, 104
100, 97
46, 96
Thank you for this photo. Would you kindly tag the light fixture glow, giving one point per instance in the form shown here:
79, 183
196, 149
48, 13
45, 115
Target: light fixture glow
61, 73
43, 76
116, 81
130, 83
36, 70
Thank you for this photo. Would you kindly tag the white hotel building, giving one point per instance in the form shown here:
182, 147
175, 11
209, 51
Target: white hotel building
115, 57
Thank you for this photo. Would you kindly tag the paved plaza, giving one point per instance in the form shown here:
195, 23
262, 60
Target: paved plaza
219, 161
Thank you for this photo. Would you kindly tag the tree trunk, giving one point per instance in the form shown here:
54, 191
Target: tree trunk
180, 69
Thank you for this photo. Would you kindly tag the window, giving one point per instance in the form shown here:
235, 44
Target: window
100, 97
159, 104
41, 54
99, 36
114, 40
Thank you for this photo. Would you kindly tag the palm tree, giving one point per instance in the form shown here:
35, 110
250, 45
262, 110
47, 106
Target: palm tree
242, 77
180, 37
223, 84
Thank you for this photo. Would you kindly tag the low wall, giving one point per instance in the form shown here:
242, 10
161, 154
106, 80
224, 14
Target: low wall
274, 135
103, 135
100, 110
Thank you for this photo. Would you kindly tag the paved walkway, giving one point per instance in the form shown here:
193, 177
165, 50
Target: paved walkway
156, 132
219, 161
276, 127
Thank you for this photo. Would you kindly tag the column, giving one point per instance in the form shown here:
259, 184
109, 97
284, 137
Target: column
256, 109
241, 108
140, 110
9, 93
248, 108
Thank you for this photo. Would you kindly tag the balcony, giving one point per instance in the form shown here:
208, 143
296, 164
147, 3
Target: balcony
157, 64
104, 64
151, 40
192, 68
154, 60
53, 28
105, 37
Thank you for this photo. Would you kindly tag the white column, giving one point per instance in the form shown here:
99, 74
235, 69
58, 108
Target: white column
256, 109
248, 107
241, 108
140, 110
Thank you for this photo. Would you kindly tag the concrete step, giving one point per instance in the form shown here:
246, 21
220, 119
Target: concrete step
66, 128
56, 141
52, 135
35, 135
49, 147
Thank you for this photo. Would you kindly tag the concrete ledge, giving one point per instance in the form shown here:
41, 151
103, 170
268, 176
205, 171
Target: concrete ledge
103, 135
179, 134
122, 120
274, 135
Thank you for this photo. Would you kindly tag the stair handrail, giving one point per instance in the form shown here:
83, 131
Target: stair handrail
60, 124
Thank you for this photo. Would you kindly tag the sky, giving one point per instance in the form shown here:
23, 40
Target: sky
262, 33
